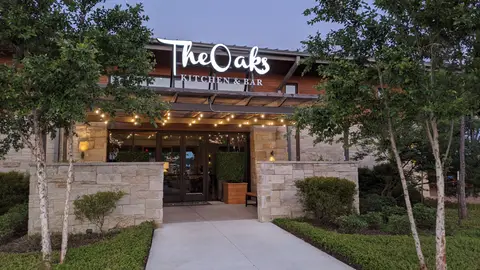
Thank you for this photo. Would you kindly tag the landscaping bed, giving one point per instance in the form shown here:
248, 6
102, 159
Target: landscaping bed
363, 251
127, 249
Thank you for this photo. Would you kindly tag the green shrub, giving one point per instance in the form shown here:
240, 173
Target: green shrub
126, 250
398, 224
230, 166
425, 217
374, 220
95, 207
413, 193
351, 224
14, 222
13, 190
133, 157
375, 203
326, 197
388, 211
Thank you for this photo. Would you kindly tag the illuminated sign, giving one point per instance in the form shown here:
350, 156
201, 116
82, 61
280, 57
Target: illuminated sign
253, 63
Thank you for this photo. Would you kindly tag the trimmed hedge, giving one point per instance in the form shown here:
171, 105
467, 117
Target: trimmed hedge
351, 224
14, 222
13, 190
127, 250
230, 166
326, 197
380, 252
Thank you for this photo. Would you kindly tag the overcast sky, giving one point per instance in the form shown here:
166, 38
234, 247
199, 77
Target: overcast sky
277, 24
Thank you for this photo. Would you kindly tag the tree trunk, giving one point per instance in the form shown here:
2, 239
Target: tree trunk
440, 244
346, 150
68, 190
42, 186
462, 201
413, 227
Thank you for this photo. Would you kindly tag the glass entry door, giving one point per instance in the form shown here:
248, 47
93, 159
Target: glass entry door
185, 177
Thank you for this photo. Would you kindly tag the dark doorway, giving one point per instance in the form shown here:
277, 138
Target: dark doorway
189, 158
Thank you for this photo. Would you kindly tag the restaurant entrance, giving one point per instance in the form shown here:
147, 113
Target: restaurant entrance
189, 158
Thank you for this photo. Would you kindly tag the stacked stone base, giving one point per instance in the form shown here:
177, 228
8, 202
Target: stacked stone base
143, 183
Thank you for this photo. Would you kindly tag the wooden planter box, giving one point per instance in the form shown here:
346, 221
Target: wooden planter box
234, 193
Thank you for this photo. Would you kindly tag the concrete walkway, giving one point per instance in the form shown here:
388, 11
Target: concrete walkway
233, 245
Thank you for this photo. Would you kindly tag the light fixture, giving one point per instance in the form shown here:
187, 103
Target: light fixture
284, 125
136, 116
239, 125
102, 115
83, 146
214, 125
199, 118
106, 122
163, 124
201, 115
272, 157
255, 120
233, 116
263, 115
168, 117
97, 111
228, 119
168, 114
194, 121
190, 124
263, 126
221, 122
166, 165
281, 120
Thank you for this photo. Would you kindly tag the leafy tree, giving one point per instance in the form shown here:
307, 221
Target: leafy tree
55, 83
365, 35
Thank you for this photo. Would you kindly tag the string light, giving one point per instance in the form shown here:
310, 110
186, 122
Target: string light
239, 125
201, 115
190, 124
97, 111
168, 117
281, 120
255, 120
168, 114
228, 119
194, 121
215, 125
163, 124
263, 126
199, 118
136, 116
263, 115
221, 122
106, 122
102, 115
233, 116
133, 120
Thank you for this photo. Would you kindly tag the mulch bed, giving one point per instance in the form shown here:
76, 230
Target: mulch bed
32, 243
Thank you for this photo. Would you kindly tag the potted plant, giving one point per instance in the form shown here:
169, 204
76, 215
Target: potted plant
230, 168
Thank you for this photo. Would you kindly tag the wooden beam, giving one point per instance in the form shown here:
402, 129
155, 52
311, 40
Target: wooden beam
276, 103
244, 102
174, 98
289, 73
230, 108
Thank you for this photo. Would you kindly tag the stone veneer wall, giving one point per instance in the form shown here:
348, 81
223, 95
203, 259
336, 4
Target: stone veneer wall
96, 135
262, 142
277, 194
142, 181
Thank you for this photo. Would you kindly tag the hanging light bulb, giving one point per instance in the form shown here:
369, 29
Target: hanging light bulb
168, 114
263, 115
281, 120
190, 124
233, 116
102, 115
221, 122
255, 120
215, 125
194, 121
97, 111
263, 126
168, 117
199, 118
201, 115
133, 120
228, 119
239, 125
136, 116
106, 122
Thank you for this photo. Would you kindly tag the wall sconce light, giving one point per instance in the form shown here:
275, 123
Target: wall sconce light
83, 146
166, 165
272, 157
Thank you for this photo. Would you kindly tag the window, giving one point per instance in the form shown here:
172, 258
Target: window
128, 146
291, 88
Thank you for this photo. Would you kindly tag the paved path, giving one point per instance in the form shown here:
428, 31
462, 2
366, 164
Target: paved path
233, 245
